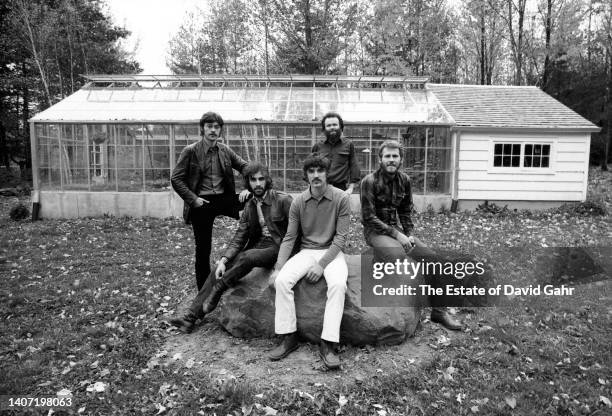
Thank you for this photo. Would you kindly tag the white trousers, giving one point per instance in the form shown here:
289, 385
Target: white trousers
296, 267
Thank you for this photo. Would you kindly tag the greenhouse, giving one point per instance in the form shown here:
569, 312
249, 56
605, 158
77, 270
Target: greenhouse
121, 135
110, 147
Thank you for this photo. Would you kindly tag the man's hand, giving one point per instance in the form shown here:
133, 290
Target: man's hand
349, 189
199, 202
314, 273
407, 242
244, 195
220, 270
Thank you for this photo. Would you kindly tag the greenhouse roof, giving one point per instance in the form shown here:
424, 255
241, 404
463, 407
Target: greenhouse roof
250, 99
492, 106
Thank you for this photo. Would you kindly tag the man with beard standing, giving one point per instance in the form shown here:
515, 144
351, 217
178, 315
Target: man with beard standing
321, 216
386, 195
344, 172
263, 225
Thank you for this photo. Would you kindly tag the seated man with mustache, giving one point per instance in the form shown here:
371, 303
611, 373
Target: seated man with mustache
263, 225
319, 221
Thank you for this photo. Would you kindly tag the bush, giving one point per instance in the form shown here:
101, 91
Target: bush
590, 207
19, 212
492, 209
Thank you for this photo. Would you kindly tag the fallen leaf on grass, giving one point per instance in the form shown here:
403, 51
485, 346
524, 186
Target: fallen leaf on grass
269, 411
605, 401
511, 402
97, 387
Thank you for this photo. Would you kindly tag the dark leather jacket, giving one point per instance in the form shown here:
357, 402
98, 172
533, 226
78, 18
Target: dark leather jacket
275, 209
187, 176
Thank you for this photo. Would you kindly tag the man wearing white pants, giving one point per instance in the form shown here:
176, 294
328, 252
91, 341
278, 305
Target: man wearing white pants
321, 215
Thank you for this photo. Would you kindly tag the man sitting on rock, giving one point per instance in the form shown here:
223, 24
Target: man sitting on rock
262, 226
385, 196
321, 216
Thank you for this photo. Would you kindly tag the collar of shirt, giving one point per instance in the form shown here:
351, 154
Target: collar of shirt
208, 146
327, 194
265, 199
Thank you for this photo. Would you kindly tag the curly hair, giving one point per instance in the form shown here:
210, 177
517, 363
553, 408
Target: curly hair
251, 169
331, 114
315, 160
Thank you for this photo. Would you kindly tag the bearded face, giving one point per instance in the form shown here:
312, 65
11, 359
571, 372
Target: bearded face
332, 129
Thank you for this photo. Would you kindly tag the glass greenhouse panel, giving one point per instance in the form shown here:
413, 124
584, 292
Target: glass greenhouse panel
157, 180
130, 180
414, 136
438, 182
439, 137
76, 180
417, 181
438, 159
414, 159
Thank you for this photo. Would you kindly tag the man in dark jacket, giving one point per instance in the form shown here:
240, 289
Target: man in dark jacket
263, 225
385, 196
344, 172
204, 179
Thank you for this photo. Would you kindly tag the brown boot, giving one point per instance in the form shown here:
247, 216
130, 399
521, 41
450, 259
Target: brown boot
328, 355
442, 317
213, 299
288, 344
184, 323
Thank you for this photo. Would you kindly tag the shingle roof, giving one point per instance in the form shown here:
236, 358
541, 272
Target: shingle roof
503, 106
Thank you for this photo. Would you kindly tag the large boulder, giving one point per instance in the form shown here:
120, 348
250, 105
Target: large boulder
247, 310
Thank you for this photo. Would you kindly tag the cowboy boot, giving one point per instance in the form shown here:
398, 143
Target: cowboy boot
213, 299
184, 323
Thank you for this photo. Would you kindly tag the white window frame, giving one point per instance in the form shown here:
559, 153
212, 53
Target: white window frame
522, 169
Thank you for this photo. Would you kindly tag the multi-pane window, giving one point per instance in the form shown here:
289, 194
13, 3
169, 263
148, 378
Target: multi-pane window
507, 155
536, 156
521, 155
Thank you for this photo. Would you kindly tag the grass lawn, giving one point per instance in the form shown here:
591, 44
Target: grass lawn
83, 304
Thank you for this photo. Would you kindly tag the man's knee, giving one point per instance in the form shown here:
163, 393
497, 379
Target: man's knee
245, 259
281, 282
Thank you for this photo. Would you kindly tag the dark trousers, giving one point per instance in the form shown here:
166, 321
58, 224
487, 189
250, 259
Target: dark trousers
202, 220
389, 249
262, 255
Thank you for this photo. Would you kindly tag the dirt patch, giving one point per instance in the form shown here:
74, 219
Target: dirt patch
210, 350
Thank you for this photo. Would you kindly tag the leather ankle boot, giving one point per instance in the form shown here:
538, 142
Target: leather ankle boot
328, 355
288, 343
213, 299
184, 323
443, 318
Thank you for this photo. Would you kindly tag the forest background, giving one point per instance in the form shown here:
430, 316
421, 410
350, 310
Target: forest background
564, 47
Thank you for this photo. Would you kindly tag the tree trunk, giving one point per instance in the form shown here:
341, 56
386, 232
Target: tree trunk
548, 30
26, 22
4, 156
608, 139
483, 46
